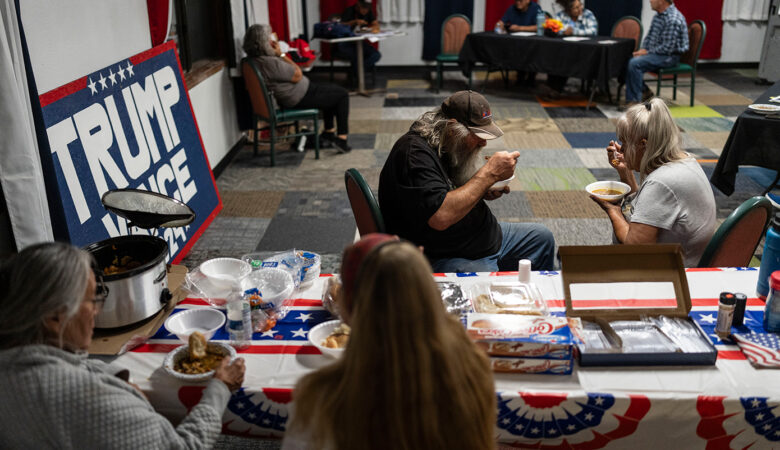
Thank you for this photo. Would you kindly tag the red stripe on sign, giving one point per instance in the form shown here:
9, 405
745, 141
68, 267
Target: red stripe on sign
152, 52
254, 349
735, 355
306, 302
63, 91
626, 303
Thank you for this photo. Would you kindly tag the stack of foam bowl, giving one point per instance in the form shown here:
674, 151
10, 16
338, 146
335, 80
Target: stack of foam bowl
311, 267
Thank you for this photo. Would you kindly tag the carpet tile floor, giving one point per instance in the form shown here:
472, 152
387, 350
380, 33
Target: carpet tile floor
301, 203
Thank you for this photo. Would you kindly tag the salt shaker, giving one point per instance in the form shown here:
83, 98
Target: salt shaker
726, 307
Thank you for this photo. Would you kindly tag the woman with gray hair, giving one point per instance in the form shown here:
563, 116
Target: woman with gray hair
674, 203
51, 395
292, 89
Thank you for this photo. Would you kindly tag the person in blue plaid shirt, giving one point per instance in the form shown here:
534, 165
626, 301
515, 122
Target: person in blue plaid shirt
662, 47
577, 21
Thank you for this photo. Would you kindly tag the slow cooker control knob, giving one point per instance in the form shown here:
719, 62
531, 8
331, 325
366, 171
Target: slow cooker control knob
165, 296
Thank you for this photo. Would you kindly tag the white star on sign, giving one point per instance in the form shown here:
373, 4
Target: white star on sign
304, 317
121, 73
534, 430
91, 86
708, 318
588, 416
240, 405
519, 427
300, 332
266, 421
102, 81
760, 416
269, 333
506, 421
755, 403
599, 400
767, 427
112, 77
570, 427
252, 415
551, 431
129, 69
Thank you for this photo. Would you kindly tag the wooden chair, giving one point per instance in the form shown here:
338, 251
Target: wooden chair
453, 32
697, 32
365, 208
628, 27
263, 109
735, 241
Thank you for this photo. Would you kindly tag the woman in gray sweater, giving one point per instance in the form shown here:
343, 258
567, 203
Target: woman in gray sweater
51, 395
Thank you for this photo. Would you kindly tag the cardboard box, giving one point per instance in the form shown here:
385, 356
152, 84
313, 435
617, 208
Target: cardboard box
601, 270
117, 342
513, 335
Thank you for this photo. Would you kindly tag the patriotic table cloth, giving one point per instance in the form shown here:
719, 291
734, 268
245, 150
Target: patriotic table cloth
728, 405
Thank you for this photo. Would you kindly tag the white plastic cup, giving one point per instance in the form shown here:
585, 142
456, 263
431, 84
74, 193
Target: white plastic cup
524, 271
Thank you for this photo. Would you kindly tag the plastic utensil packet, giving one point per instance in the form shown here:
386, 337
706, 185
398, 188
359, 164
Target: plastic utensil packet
642, 337
683, 333
594, 340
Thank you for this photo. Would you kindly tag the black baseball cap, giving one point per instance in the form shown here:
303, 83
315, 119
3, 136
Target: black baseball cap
472, 110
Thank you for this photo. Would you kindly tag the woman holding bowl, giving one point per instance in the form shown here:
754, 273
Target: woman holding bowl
409, 377
674, 202
51, 395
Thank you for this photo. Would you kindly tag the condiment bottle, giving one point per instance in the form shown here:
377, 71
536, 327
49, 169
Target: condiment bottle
739, 310
726, 307
772, 308
770, 260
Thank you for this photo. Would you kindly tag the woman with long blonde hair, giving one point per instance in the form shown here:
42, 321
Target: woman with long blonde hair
409, 378
674, 203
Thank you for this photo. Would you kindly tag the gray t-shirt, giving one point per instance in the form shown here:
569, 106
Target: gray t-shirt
277, 74
678, 199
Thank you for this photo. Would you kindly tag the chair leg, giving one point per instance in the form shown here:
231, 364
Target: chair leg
469, 80
658, 85
674, 88
693, 86
439, 81
331, 68
620, 86
316, 137
257, 135
487, 75
273, 140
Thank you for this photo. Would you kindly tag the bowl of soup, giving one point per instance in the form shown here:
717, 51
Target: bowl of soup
611, 191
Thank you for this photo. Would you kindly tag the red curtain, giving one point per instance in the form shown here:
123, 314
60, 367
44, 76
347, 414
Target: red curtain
277, 16
495, 9
710, 12
158, 20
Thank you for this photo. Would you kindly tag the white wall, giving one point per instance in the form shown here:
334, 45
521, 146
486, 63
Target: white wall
213, 102
69, 39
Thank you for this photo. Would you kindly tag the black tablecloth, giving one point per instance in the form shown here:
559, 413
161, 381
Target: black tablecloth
588, 59
754, 141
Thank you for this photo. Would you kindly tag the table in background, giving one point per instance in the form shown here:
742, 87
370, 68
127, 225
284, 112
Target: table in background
358, 40
754, 141
639, 407
585, 59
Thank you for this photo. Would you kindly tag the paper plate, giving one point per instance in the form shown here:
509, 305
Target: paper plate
763, 108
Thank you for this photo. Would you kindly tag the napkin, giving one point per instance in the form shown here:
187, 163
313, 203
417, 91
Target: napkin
762, 349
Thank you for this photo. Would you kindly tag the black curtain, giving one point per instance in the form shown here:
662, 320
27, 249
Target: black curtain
435, 13
609, 11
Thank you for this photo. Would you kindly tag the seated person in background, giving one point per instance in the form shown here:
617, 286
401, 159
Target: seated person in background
432, 192
409, 377
661, 48
52, 396
674, 203
359, 16
577, 21
521, 17
292, 89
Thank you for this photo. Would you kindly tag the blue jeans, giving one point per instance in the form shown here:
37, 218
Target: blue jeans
520, 241
637, 67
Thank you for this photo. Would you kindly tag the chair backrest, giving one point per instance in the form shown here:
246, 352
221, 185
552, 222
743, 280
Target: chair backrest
697, 32
735, 241
365, 208
262, 103
628, 27
453, 32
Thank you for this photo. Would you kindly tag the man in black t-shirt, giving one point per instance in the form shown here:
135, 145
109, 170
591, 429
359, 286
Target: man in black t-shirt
432, 192
359, 16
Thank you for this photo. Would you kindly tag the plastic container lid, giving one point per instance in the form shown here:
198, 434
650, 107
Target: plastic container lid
774, 280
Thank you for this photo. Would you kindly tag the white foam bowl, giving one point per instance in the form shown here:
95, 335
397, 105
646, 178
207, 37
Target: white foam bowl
224, 272
318, 334
501, 184
616, 185
204, 320
177, 354
275, 285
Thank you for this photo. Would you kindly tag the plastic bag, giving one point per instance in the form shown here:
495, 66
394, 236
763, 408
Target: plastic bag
289, 261
331, 295
196, 284
268, 292
508, 298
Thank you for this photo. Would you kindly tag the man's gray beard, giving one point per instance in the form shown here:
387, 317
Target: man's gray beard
461, 166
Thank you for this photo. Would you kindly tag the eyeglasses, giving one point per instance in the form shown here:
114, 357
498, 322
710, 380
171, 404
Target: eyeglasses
101, 292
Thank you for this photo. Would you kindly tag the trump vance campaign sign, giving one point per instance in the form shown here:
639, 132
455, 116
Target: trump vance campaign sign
128, 125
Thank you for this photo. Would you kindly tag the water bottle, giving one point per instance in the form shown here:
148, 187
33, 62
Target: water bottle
239, 320
540, 19
499, 28
772, 309
770, 260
